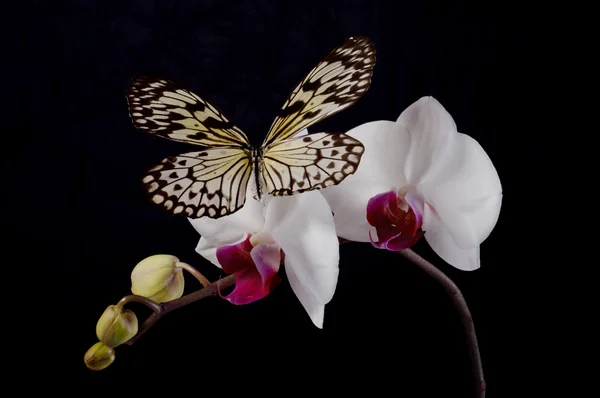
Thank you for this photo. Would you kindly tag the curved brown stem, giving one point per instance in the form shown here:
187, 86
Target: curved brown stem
164, 308
195, 273
133, 298
463, 310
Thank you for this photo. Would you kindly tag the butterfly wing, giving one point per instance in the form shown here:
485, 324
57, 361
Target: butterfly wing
334, 84
162, 108
309, 162
211, 183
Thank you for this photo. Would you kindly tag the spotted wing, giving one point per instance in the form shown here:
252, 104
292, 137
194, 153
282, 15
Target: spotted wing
309, 162
162, 108
337, 82
209, 183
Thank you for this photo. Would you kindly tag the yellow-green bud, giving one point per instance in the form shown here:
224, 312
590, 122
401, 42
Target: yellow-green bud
99, 356
116, 326
157, 278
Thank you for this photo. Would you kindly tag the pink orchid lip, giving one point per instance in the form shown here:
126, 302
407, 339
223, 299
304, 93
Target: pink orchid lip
397, 217
255, 269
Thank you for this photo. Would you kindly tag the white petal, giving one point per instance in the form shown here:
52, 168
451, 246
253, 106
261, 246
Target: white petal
348, 202
464, 189
427, 114
229, 229
208, 250
315, 310
303, 226
386, 146
427, 123
380, 170
441, 242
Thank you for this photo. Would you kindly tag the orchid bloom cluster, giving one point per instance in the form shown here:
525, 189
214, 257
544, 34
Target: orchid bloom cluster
418, 177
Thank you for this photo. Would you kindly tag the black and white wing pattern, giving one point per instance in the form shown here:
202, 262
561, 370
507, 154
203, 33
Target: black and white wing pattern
212, 182
309, 162
160, 107
334, 84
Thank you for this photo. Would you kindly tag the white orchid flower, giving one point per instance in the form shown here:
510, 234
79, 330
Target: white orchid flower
419, 175
298, 231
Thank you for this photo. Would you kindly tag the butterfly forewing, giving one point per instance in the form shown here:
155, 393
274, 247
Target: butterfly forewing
309, 162
162, 108
211, 182
334, 84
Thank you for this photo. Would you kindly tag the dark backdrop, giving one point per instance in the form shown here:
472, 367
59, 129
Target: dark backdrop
77, 218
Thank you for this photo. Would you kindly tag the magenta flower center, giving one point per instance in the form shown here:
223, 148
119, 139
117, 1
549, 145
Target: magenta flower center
255, 268
397, 218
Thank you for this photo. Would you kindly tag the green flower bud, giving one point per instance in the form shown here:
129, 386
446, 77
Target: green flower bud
157, 278
116, 326
99, 356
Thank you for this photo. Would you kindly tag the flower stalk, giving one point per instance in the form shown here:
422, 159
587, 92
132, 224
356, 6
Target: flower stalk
463, 311
132, 298
212, 289
195, 273
162, 309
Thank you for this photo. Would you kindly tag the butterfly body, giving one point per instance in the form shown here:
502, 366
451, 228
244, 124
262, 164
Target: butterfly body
212, 181
257, 161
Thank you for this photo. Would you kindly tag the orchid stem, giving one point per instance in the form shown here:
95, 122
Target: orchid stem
201, 278
211, 289
463, 310
164, 308
155, 307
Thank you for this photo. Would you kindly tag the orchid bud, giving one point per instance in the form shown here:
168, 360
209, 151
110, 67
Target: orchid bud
157, 278
99, 356
116, 326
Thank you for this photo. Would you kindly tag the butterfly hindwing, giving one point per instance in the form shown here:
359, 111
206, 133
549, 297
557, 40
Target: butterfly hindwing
162, 108
334, 84
210, 182
213, 181
309, 162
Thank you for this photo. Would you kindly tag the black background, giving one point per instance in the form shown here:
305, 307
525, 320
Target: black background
77, 219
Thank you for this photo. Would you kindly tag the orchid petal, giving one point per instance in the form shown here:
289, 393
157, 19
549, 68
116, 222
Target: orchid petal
427, 114
348, 202
465, 190
231, 228
208, 250
441, 241
427, 123
380, 170
386, 146
303, 226
312, 305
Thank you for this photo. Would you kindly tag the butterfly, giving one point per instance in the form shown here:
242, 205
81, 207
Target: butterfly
213, 181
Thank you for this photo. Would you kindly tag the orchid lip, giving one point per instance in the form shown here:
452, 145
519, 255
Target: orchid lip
396, 217
255, 268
